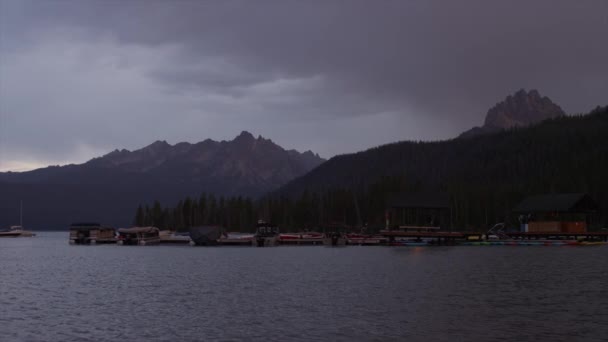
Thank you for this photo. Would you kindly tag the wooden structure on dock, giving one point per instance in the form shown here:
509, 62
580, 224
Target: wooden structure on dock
140, 236
419, 212
86, 233
556, 213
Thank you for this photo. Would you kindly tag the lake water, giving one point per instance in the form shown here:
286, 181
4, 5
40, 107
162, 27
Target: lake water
50, 291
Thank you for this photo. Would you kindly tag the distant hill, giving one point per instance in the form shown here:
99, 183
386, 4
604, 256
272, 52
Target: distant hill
518, 110
485, 175
109, 188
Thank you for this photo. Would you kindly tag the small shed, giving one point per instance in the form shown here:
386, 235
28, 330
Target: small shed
556, 213
419, 212
138, 236
88, 233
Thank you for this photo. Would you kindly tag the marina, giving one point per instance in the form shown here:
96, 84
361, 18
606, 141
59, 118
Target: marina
411, 220
83, 234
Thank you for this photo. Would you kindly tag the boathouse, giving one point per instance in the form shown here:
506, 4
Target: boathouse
86, 233
419, 212
556, 213
138, 236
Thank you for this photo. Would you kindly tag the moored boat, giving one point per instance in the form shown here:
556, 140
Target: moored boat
236, 239
9, 233
17, 231
266, 235
303, 238
173, 237
365, 240
205, 235
141, 236
334, 239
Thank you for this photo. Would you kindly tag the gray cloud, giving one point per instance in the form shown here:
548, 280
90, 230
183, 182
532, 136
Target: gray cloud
330, 76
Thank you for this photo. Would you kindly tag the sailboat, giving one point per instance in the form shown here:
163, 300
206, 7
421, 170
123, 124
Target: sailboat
17, 231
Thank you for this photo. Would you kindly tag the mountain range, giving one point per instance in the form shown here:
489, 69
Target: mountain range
108, 188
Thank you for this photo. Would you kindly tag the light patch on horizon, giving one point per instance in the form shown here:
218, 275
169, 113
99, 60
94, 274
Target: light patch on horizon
14, 161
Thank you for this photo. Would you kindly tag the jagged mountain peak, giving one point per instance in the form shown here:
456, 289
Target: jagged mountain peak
521, 109
244, 136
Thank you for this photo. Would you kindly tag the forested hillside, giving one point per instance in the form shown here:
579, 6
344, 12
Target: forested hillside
485, 176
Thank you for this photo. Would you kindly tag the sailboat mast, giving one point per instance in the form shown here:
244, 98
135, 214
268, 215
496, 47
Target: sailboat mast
21, 214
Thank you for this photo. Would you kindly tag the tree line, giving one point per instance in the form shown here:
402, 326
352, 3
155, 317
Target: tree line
485, 177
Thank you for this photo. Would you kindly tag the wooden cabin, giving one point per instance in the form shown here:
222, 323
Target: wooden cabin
86, 233
419, 212
140, 236
556, 213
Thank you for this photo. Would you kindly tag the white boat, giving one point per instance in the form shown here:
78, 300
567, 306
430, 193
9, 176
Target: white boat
17, 231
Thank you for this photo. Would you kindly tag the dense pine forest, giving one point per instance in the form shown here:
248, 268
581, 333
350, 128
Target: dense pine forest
485, 177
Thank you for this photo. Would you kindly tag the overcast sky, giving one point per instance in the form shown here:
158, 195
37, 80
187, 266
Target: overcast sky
80, 78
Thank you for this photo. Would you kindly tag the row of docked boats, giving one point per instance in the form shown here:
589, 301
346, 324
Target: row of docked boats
268, 235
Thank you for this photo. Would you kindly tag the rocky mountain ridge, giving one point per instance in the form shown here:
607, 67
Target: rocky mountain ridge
108, 188
521, 109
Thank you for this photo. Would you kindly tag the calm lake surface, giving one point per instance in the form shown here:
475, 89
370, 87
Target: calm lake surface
50, 291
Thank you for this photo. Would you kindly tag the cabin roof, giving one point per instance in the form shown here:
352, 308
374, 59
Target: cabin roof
420, 200
573, 203
88, 226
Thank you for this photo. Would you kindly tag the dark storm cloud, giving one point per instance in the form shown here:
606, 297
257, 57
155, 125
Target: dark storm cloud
430, 68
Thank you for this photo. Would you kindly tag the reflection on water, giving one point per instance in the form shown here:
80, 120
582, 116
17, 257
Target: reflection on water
50, 291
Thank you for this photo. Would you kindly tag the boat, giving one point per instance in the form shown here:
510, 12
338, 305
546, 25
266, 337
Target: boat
334, 239
266, 234
205, 235
365, 240
141, 236
17, 231
173, 237
302, 238
236, 239
593, 243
